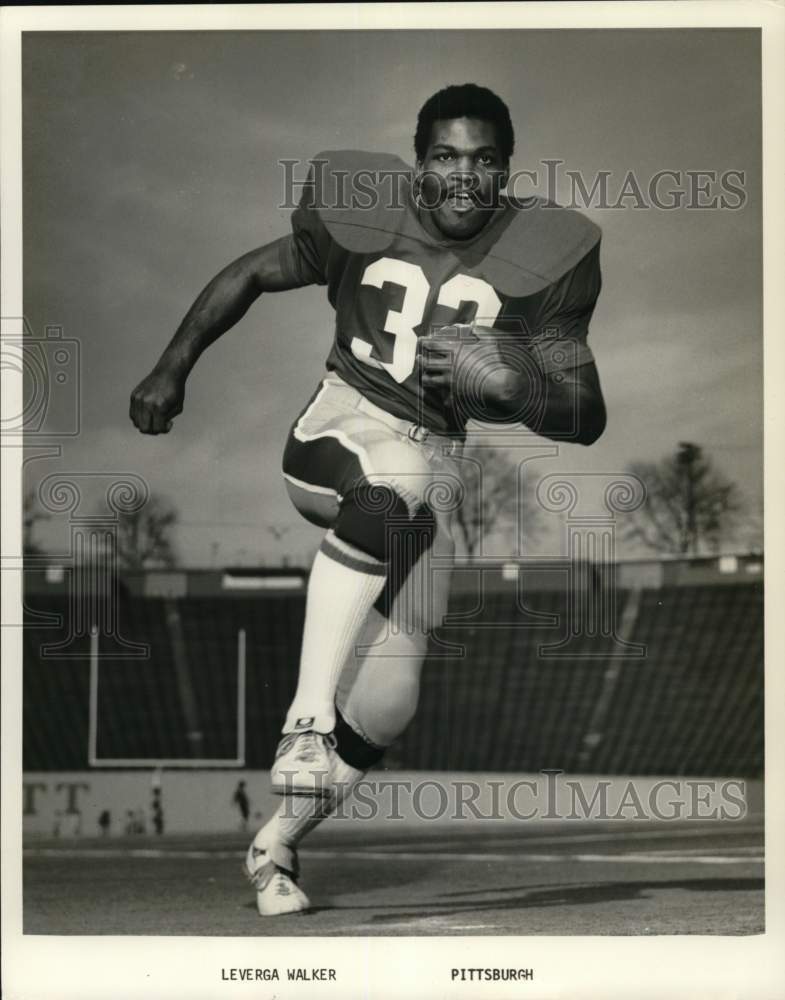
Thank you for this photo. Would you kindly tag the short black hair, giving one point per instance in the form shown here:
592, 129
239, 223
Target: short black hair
465, 100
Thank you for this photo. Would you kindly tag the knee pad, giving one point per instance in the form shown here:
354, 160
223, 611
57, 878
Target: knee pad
373, 516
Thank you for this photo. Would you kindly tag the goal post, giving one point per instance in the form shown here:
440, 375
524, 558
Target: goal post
96, 761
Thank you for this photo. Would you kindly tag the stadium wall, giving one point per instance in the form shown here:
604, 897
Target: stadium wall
540, 574
69, 804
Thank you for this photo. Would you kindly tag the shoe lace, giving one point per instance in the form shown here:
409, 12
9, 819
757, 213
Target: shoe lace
268, 872
282, 887
285, 743
309, 745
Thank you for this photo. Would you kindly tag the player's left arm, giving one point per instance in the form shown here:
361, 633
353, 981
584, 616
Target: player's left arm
548, 381
566, 385
572, 406
558, 400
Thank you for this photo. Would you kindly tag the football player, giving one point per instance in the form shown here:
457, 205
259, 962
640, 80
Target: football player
452, 302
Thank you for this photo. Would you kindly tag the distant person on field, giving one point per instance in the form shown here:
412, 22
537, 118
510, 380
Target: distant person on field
240, 799
158, 812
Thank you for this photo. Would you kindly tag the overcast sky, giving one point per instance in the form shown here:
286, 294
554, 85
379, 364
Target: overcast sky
150, 162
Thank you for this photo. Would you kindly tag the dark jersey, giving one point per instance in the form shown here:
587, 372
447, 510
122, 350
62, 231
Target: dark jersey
532, 273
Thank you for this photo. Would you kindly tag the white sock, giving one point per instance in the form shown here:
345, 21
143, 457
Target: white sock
299, 814
344, 585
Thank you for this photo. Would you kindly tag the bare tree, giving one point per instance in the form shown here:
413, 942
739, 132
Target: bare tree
31, 515
750, 534
145, 537
690, 505
491, 497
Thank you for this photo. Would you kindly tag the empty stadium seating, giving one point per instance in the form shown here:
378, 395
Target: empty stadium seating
513, 697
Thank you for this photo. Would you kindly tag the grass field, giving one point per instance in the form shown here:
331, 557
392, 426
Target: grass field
561, 879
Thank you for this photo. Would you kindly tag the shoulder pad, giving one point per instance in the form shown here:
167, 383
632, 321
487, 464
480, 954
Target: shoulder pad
541, 244
361, 197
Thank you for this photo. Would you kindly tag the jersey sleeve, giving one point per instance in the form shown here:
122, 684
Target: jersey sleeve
560, 338
304, 254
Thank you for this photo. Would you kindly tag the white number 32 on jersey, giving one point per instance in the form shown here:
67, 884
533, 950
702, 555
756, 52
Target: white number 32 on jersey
401, 322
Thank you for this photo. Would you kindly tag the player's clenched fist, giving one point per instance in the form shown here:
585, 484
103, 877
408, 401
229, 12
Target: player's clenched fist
157, 400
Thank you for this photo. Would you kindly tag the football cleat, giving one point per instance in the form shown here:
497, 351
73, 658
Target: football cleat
277, 892
302, 764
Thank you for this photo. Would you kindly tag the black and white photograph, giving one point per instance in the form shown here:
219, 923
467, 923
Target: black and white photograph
387, 444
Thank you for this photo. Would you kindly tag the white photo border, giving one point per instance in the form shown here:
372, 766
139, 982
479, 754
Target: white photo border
45, 968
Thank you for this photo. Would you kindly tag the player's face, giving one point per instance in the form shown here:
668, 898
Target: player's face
460, 177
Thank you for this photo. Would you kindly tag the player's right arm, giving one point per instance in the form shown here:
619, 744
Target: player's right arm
276, 267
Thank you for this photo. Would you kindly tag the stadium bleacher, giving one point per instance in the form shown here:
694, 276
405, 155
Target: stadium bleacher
692, 705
